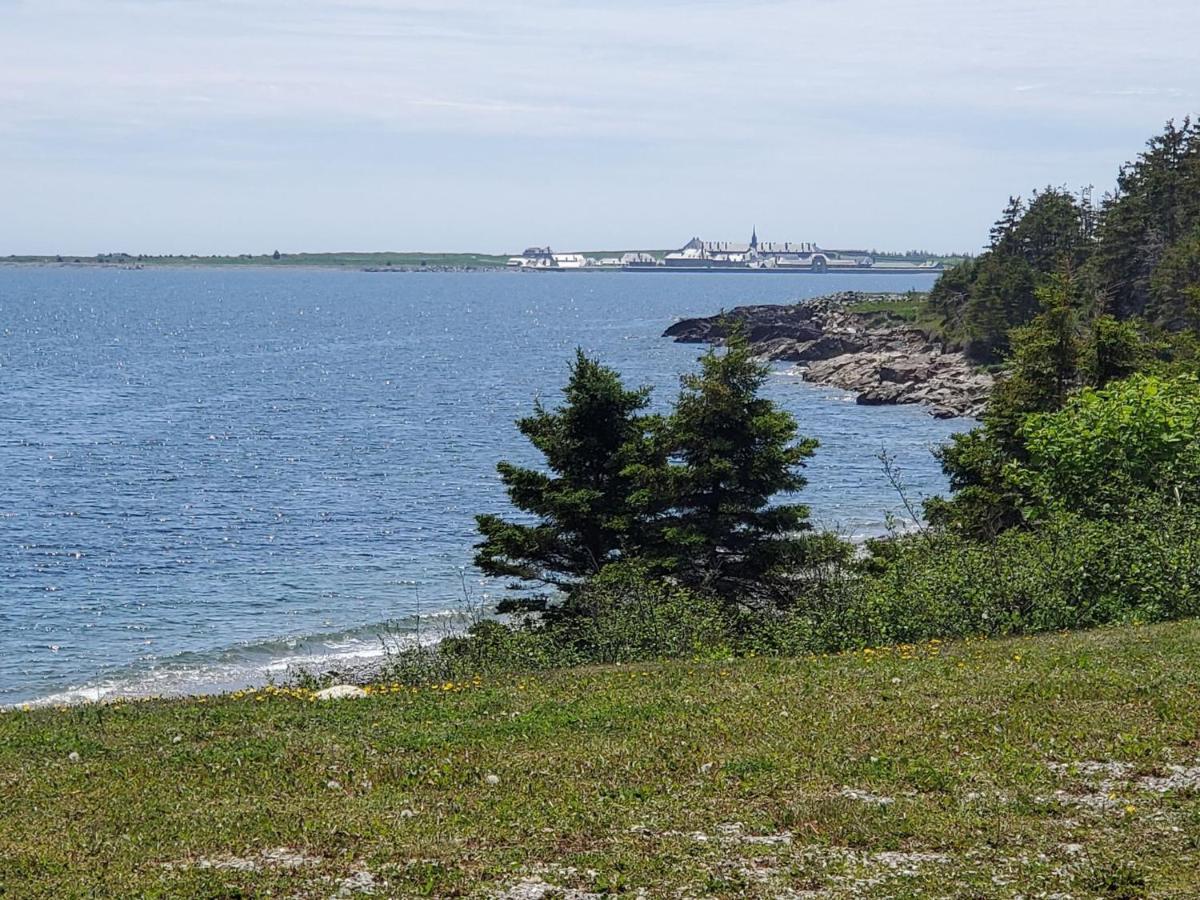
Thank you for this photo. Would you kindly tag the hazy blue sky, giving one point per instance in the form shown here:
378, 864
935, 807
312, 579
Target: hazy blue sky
246, 125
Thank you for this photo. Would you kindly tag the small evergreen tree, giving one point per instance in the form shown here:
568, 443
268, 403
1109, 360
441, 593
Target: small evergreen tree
583, 507
731, 451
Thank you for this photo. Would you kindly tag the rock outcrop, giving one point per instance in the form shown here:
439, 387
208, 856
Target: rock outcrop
881, 358
340, 692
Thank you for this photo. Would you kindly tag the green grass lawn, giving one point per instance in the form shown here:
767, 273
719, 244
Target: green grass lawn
1063, 765
904, 309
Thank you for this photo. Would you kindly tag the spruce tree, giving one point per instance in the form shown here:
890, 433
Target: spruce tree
583, 505
1043, 369
732, 451
1112, 350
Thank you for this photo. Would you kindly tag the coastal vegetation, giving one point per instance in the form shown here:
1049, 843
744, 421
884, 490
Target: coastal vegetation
1134, 256
686, 496
1073, 502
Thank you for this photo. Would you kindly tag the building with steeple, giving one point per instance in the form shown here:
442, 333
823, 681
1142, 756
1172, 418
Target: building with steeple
697, 253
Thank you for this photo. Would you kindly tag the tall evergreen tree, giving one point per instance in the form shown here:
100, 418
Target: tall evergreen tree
584, 505
732, 451
1156, 205
1043, 369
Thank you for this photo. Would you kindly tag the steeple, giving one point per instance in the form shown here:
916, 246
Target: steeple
754, 238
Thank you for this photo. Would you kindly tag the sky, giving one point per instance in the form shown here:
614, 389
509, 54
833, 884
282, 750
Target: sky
245, 126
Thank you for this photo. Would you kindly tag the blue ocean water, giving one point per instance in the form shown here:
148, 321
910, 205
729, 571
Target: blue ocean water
208, 474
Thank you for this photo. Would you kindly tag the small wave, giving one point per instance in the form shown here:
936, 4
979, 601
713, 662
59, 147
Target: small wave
256, 663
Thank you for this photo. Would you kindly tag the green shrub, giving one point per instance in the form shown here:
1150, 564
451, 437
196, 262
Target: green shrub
1106, 448
1070, 572
623, 614
626, 614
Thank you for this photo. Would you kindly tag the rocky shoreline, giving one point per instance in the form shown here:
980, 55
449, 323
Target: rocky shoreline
882, 358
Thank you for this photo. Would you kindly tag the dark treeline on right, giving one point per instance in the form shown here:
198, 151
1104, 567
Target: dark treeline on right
1070, 297
1134, 256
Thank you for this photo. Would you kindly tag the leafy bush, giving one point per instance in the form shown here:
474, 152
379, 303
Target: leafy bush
1107, 447
1070, 572
625, 614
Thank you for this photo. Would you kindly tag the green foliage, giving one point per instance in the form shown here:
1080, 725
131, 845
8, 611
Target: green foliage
624, 613
731, 452
627, 614
982, 501
1113, 350
1156, 206
1072, 571
1045, 362
983, 300
1043, 369
1107, 448
585, 516
1175, 285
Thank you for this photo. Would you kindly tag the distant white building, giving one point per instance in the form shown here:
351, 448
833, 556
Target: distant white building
756, 254
638, 259
531, 258
541, 258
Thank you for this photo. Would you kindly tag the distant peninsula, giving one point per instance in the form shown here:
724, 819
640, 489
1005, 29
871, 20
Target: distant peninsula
382, 261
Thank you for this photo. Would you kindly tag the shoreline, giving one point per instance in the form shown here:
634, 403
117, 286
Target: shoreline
261, 267
878, 354
356, 668
171, 680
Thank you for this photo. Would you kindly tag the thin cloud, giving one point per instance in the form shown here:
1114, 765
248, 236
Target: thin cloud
757, 101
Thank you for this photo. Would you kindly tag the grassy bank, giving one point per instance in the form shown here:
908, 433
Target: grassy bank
910, 309
980, 769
